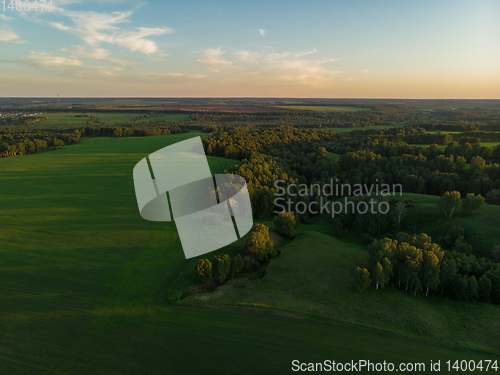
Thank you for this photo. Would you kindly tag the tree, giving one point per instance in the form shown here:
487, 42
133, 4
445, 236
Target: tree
286, 224
40, 145
362, 279
460, 162
57, 143
430, 271
473, 288
411, 264
492, 197
378, 274
222, 267
485, 285
400, 212
387, 268
460, 287
449, 203
471, 203
204, 270
448, 272
237, 264
259, 245
477, 162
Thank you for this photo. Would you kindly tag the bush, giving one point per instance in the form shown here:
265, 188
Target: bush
237, 264
450, 203
493, 197
362, 279
222, 267
472, 203
259, 245
286, 224
204, 270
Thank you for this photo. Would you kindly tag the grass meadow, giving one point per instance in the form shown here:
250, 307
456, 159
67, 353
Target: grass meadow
316, 282
84, 283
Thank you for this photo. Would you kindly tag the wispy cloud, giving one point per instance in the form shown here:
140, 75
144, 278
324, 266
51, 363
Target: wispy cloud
95, 28
262, 32
175, 75
99, 54
3, 17
247, 56
9, 36
213, 58
272, 66
69, 67
305, 72
364, 71
306, 53
47, 61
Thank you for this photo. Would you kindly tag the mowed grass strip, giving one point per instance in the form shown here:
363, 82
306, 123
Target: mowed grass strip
84, 279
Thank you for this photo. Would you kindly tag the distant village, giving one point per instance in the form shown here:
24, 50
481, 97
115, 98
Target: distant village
19, 114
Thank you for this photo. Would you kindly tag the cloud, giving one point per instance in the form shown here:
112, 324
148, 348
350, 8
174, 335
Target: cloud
196, 76
306, 53
3, 17
99, 54
247, 56
262, 32
305, 72
212, 58
46, 61
95, 28
364, 71
272, 66
69, 67
176, 75
6, 35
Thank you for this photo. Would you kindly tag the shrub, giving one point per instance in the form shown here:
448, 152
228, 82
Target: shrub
259, 245
362, 279
472, 203
286, 224
222, 267
204, 270
449, 203
237, 264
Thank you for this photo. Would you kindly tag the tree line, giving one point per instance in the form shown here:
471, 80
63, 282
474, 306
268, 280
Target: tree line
417, 265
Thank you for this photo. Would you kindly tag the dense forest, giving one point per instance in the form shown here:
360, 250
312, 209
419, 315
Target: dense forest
297, 155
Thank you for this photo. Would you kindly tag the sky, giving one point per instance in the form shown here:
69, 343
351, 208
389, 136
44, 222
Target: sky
307, 49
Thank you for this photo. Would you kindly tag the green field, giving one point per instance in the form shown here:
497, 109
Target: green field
168, 117
441, 147
68, 119
84, 280
490, 144
316, 282
325, 108
333, 157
